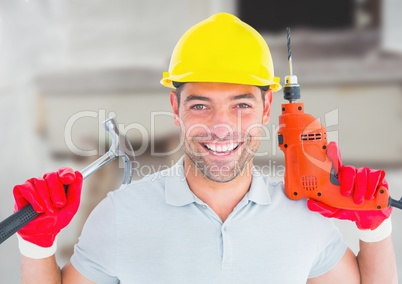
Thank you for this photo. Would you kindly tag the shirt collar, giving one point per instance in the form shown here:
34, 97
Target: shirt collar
258, 192
178, 193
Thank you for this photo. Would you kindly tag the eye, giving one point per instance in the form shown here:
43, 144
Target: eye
198, 107
243, 105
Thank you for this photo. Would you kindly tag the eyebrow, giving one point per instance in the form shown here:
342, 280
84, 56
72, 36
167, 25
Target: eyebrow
243, 96
233, 98
196, 97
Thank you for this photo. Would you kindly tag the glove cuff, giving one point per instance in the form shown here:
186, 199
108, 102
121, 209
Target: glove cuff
378, 234
31, 250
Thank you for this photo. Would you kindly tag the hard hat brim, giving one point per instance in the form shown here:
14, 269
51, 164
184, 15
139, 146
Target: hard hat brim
223, 76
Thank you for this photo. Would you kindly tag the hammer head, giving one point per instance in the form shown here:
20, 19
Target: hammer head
120, 147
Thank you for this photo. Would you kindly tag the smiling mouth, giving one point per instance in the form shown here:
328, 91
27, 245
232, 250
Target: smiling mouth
221, 149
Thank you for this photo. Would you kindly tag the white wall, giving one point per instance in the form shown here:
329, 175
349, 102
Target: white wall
392, 24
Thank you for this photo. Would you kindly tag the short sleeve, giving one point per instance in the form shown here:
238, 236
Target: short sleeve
329, 256
95, 253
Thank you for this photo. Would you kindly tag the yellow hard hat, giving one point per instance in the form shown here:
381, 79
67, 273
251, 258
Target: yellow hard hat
222, 49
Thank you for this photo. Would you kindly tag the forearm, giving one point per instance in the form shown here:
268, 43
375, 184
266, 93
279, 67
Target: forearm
42, 271
376, 262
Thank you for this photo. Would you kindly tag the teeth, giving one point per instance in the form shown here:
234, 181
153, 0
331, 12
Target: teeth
221, 148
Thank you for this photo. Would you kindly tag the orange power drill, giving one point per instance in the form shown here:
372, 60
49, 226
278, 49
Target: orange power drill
309, 172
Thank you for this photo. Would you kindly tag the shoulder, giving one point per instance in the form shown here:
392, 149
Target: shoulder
153, 192
151, 186
295, 211
276, 191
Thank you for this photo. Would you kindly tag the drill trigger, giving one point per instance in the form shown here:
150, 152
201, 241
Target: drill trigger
333, 177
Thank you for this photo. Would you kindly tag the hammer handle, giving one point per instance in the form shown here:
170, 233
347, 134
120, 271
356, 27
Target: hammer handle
19, 219
16, 221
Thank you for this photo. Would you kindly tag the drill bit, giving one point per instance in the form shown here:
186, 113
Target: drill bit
291, 90
289, 52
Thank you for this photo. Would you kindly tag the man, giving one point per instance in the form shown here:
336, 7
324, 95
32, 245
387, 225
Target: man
211, 218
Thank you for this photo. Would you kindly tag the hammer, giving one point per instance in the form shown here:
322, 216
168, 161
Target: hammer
120, 147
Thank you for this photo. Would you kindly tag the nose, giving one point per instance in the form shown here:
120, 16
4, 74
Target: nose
222, 124
222, 130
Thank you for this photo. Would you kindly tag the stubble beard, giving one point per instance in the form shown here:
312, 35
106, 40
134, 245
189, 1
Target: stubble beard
215, 169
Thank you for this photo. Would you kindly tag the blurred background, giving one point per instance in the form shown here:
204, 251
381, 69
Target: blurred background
67, 65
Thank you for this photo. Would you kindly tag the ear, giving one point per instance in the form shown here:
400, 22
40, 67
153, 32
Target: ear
267, 106
175, 107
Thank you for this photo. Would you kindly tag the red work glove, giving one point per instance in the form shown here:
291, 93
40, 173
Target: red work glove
362, 184
47, 195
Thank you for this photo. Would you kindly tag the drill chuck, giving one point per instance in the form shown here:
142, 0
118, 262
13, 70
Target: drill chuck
291, 90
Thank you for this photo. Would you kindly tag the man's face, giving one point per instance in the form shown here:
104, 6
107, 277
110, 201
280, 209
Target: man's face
220, 126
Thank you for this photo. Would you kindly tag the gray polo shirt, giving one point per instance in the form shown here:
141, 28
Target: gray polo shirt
157, 231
